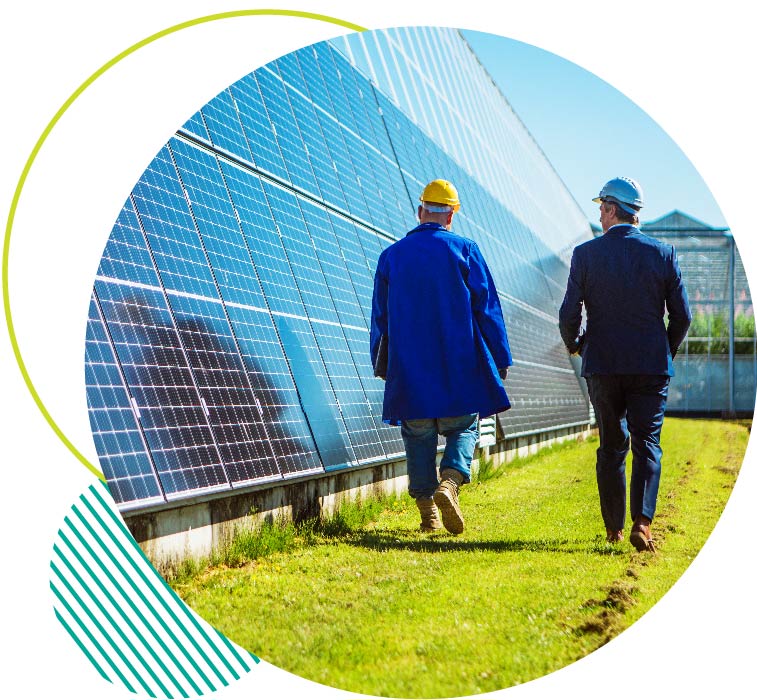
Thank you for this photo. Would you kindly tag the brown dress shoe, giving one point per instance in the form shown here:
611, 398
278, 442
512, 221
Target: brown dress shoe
614, 535
641, 536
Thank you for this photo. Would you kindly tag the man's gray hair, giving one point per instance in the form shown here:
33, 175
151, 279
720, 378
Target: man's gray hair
436, 208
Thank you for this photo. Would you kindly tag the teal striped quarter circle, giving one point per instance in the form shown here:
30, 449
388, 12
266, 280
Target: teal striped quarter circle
124, 617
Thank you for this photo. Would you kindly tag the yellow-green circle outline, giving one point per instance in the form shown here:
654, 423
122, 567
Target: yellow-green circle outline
38, 145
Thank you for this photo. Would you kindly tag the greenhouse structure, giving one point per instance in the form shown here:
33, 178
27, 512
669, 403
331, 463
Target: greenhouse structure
716, 367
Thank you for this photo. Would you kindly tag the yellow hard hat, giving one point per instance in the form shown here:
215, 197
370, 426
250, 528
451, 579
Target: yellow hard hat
441, 192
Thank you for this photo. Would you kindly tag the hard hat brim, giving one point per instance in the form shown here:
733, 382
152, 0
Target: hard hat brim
628, 208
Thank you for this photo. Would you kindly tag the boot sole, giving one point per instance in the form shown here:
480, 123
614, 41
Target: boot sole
452, 518
641, 543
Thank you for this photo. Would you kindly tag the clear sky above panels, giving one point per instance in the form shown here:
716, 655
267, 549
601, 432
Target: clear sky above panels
591, 132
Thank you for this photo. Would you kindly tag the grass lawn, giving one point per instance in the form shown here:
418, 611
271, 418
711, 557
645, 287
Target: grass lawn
368, 604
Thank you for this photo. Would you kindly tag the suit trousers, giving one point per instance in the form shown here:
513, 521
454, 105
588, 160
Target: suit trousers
629, 409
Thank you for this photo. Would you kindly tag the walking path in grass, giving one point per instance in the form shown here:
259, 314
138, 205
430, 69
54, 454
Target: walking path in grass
368, 604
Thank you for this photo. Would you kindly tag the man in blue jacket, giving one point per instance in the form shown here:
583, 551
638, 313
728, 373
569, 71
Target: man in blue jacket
439, 340
626, 281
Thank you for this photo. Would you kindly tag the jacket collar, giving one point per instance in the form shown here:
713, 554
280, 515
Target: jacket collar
622, 230
430, 226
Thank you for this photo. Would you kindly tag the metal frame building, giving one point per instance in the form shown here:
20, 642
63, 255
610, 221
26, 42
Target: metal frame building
716, 367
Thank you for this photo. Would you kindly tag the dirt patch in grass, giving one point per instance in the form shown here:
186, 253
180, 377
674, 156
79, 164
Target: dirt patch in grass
608, 621
732, 471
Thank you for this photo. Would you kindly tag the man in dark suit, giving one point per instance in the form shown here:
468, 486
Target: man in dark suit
626, 280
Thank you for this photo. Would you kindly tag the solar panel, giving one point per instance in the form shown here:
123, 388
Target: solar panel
195, 126
228, 341
224, 127
118, 439
271, 380
165, 396
217, 224
293, 148
259, 129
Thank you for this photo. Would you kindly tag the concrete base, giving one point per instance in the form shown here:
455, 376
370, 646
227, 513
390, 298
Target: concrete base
170, 534
508, 450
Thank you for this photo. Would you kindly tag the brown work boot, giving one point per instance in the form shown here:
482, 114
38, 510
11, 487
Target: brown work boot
641, 535
614, 535
429, 515
445, 497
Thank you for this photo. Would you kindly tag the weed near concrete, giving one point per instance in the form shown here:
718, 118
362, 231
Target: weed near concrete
255, 542
366, 603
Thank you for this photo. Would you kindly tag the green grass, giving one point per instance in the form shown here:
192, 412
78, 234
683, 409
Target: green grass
366, 603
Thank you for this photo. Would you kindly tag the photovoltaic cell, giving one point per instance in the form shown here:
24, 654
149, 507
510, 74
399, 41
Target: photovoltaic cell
352, 401
195, 126
332, 262
355, 88
306, 270
360, 144
126, 256
542, 398
332, 79
359, 346
317, 149
406, 202
263, 241
542, 384
367, 200
314, 81
290, 72
356, 263
403, 134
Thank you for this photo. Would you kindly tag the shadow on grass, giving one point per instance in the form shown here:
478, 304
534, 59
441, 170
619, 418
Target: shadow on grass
408, 541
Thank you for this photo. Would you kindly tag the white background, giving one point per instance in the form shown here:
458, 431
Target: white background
689, 65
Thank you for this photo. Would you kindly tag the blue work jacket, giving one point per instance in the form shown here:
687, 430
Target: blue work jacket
435, 303
625, 280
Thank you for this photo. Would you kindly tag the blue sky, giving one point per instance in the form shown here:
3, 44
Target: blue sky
591, 132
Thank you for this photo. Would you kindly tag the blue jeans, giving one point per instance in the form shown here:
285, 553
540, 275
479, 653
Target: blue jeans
629, 409
420, 438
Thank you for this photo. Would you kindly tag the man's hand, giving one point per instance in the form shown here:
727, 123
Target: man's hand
502, 373
577, 346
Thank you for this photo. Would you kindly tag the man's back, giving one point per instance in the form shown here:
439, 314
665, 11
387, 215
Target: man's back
435, 300
625, 280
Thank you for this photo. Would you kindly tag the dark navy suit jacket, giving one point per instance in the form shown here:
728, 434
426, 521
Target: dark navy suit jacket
625, 280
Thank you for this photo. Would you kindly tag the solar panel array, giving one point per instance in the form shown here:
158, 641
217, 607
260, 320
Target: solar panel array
228, 332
